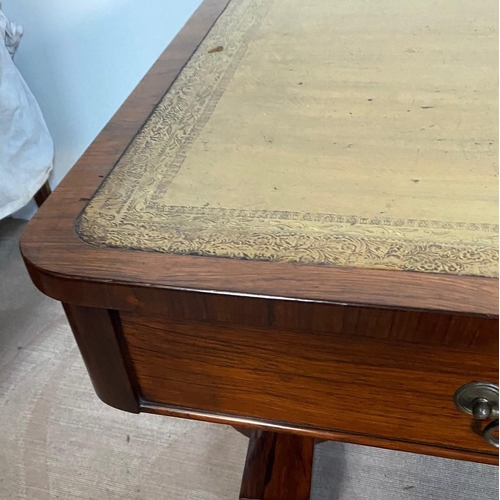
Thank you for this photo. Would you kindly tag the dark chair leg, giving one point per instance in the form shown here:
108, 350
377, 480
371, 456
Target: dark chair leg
42, 194
278, 467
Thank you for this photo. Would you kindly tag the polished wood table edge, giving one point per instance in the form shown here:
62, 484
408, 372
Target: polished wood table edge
54, 253
396, 290
318, 433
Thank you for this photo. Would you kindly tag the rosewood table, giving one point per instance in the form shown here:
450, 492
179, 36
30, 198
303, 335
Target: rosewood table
291, 226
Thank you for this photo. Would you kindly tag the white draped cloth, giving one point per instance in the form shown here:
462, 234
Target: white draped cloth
26, 148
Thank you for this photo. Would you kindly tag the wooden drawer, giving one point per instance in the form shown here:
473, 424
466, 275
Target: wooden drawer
397, 391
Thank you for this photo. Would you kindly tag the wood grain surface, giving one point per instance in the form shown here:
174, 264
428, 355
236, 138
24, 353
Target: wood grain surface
286, 380
418, 327
278, 467
320, 381
100, 340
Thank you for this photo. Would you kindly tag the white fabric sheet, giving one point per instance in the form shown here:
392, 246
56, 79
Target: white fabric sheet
26, 148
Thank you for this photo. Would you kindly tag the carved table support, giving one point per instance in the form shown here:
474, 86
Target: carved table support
278, 467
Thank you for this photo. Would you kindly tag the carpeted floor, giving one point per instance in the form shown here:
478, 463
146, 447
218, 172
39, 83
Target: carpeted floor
58, 441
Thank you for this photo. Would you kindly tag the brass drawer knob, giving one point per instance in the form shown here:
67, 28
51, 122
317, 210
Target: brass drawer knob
480, 399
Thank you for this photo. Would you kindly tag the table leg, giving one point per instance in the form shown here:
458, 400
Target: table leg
246, 431
42, 194
278, 467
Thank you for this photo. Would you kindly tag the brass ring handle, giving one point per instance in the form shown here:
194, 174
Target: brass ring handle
488, 433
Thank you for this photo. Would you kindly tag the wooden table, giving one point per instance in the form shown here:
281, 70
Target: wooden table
291, 226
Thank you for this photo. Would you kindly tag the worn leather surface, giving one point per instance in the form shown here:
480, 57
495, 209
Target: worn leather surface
335, 133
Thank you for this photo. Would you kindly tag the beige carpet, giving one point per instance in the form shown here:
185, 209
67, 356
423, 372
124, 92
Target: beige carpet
58, 441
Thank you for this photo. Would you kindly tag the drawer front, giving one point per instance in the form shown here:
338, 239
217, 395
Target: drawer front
385, 389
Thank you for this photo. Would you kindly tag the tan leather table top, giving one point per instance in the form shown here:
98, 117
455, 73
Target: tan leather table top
339, 133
